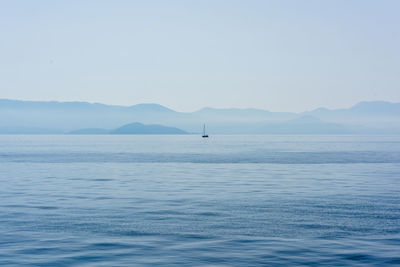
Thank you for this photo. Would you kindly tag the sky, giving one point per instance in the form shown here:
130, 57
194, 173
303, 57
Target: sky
279, 55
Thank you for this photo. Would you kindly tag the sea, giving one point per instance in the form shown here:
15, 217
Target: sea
183, 200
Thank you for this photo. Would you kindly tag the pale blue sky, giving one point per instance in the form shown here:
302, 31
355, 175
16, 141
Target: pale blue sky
278, 55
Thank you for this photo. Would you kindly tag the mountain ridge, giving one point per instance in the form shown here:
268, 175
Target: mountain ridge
69, 116
162, 107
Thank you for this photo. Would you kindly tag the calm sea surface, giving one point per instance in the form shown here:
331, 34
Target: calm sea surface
184, 200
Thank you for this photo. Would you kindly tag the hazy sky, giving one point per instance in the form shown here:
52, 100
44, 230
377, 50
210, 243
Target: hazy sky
277, 55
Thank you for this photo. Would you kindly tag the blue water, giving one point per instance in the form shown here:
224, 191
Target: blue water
184, 200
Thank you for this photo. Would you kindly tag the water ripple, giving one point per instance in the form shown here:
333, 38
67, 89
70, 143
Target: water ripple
337, 157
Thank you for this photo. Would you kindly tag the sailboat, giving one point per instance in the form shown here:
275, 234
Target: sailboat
204, 132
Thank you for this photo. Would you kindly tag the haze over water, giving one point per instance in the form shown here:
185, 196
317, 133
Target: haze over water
222, 201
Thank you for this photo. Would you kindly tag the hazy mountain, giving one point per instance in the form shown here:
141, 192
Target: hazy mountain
61, 117
304, 125
68, 116
235, 114
377, 108
139, 128
363, 111
151, 108
132, 128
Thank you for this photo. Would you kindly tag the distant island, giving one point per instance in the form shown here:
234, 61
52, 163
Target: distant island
40, 117
133, 128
